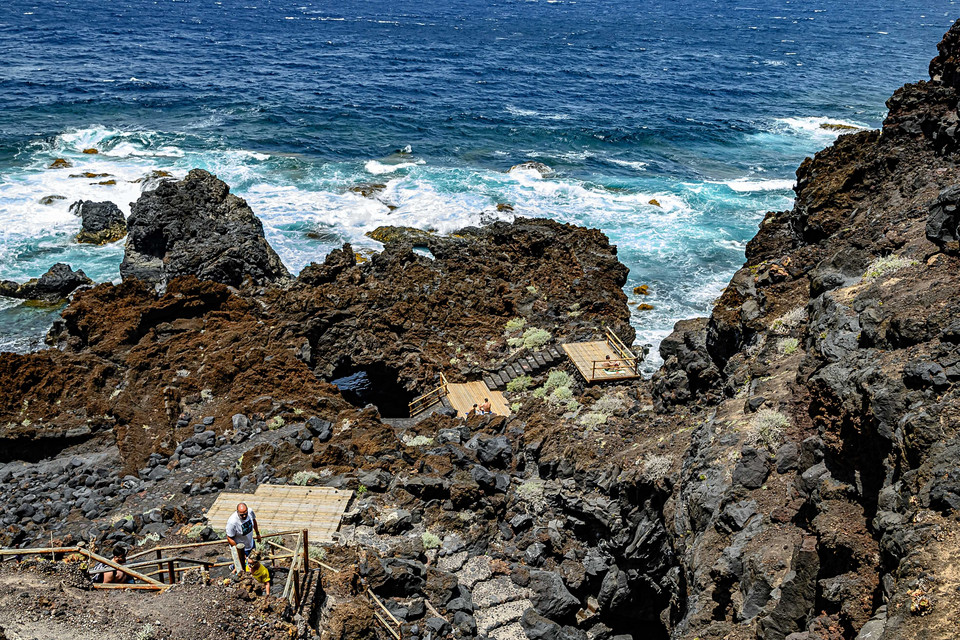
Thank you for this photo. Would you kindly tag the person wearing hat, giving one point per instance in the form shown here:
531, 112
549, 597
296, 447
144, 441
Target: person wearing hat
259, 572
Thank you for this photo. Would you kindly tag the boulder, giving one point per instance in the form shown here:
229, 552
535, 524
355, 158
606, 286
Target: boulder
751, 471
103, 222
56, 284
550, 595
197, 227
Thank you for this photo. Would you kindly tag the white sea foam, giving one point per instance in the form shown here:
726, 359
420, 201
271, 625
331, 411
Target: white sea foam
530, 113
746, 185
378, 168
633, 164
812, 126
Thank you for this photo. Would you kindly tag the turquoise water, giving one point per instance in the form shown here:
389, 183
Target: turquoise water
705, 107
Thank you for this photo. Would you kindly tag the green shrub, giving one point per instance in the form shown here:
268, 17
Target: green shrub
519, 384
275, 423
767, 428
560, 395
147, 632
572, 406
515, 407
787, 346
557, 379
535, 338
193, 533
789, 321
656, 467
303, 477
593, 419
609, 404
887, 265
514, 343
516, 324
430, 540
540, 392
531, 289
317, 553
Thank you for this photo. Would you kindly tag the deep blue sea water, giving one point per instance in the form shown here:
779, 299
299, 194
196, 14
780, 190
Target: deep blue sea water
705, 106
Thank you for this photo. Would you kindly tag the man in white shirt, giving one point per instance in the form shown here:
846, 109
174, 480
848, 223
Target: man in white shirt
241, 526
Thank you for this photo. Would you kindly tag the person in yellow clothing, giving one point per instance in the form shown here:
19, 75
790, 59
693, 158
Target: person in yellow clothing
259, 572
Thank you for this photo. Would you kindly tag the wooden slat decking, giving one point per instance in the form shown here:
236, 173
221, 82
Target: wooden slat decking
284, 507
583, 355
462, 397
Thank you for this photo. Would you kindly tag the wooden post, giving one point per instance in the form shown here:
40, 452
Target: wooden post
160, 557
171, 568
306, 551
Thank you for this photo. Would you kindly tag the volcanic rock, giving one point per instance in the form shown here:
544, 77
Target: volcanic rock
197, 227
103, 222
56, 284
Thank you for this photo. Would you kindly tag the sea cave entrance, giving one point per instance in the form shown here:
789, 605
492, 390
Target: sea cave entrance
373, 384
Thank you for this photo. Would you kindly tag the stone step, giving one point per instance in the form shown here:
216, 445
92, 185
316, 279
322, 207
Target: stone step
539, 360
525, 366
488, 380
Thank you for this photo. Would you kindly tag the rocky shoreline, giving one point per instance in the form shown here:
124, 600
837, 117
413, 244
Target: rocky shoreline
791, 472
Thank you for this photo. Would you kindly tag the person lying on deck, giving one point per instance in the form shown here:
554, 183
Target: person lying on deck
105, 574
259, 572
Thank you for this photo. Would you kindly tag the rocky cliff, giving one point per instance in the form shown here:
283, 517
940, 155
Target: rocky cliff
790, 473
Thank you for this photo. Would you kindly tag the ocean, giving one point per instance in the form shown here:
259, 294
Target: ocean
705, 107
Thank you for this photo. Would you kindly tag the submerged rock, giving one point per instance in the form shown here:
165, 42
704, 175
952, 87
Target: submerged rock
103, 222
197, 227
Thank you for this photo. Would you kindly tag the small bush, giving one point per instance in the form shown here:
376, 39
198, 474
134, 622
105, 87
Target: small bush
531, 289
516, 324
147, 632
572, 406
417, 441
302, 478
535, 338
275, 423
149, 537
557, 379
656, 467
362, 489
560, 395
317, 553
430, 540
515, 407
609, 404
887, 265
789, 321
514, 343
540, 392
519, 384
193, 533
593, 419
787, 346
531, 490
767, 428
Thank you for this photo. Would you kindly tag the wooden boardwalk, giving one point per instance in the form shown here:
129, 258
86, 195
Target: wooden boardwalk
590, 356
462, 397
284, 507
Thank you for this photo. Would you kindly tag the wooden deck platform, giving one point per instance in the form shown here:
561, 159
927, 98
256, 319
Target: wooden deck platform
462, 397
589, 356
284, 507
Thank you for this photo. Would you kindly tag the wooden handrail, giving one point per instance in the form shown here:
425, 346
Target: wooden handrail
427, 400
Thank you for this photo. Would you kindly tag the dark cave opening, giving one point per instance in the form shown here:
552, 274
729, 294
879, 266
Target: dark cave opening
374, 384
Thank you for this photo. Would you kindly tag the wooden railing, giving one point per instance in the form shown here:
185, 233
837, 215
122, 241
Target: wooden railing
427, 400
626, 360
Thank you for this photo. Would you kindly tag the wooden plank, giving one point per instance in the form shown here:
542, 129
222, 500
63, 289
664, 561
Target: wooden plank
26, 552
126, 570
145, 587
463, 396
317, 509
585, 354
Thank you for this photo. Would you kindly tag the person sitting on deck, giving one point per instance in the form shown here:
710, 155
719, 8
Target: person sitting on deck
105, 574
259, 572
485, 407
612, 366
472, 411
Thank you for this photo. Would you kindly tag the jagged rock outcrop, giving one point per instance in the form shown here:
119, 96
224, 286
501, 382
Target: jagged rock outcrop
836, 361
103, 222
56, 284
196, 227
